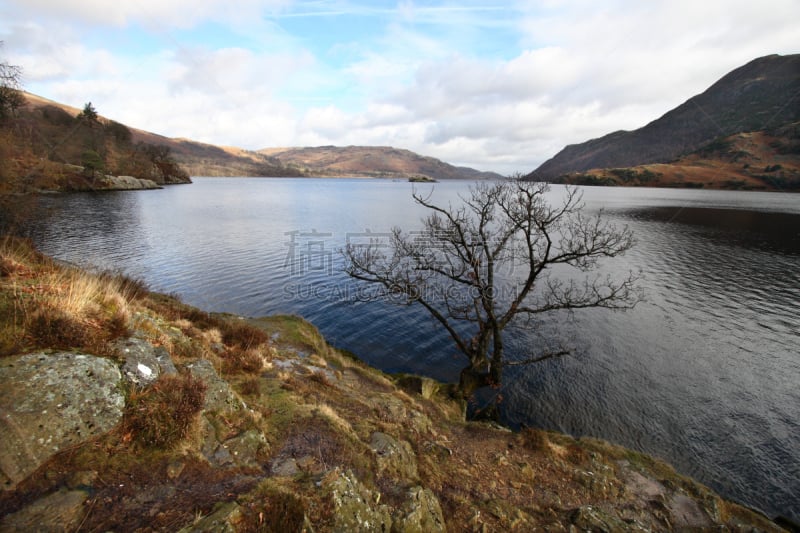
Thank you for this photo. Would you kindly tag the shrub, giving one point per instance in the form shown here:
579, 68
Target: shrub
50, 328
163, 415
241, 334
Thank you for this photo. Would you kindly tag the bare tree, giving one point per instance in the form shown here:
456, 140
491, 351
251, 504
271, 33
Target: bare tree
476, 266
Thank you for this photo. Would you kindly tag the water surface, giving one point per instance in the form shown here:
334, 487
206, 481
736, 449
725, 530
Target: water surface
704, 373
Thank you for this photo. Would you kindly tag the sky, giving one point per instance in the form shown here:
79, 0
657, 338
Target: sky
500, 86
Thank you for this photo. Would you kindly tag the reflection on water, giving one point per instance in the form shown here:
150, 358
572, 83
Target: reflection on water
704, 373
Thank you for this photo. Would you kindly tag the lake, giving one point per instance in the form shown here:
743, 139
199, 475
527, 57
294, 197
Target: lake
703, 374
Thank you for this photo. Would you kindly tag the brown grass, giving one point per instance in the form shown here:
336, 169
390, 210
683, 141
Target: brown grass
164, 414
46, 305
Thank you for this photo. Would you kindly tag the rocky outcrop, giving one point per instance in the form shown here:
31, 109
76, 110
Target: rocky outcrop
125, 183
49, 402
144, 363
356, 507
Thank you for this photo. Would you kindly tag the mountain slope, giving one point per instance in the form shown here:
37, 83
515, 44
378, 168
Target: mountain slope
764, 93
370, 161
761, 160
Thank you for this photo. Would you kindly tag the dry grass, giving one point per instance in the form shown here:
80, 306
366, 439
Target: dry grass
164, 414
45, 305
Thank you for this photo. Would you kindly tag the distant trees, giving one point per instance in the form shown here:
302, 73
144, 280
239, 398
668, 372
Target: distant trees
478, 265
92, 163
89, 114
11, 97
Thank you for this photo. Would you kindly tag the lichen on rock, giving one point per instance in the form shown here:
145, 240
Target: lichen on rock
51, 401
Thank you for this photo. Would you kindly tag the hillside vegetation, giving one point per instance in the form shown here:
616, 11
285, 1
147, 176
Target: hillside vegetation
49, 146
763, 160
221, 423
760, 96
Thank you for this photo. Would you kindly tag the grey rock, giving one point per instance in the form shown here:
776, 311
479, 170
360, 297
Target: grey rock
219, 395
144, 363
223, 520
49, 402
125, 183
356, 507
420, 513
285, 467
425, 387
395, 457
60, 511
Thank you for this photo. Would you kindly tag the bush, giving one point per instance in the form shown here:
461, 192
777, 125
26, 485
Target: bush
54, 329
163, 415
242, 335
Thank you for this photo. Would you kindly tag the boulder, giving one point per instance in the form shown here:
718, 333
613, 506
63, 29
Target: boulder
126, 183
144, 363
50, 402
420, 513
356, 507
395, 457
219, 395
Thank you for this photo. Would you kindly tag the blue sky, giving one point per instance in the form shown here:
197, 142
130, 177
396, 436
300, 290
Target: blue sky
497, 86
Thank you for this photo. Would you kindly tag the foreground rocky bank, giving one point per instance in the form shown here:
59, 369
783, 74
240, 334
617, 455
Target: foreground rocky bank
129, 411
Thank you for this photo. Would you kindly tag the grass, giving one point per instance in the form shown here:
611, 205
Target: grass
164, 414
48, 306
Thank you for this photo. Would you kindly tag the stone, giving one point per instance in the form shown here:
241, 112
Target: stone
219, 395
420, 513
248, 448
60, 511
144, 363
125, 183
425, 387
223, 520
49, 402
395, 457
356, 507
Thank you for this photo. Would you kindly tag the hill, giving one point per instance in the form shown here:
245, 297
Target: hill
50, 146
762, 160
370, 161
762, 94
125, 410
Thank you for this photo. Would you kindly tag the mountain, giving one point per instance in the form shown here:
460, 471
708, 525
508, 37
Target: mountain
45, 147
370, 161
762, 94
761, 160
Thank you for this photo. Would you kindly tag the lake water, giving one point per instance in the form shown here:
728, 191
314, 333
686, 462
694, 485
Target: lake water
704, 373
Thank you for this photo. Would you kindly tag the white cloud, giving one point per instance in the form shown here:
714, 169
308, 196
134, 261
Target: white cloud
157, 13
490, 85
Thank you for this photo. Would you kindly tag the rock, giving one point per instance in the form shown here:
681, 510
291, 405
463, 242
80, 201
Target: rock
355, 506
125, 183
144, 363
219, 395
425, 387
52, 401
247, 449
420, 513
223, 520
395, 457
285, 467
60, 511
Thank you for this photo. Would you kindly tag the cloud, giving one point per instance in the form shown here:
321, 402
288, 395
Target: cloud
499, 86
158, 13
